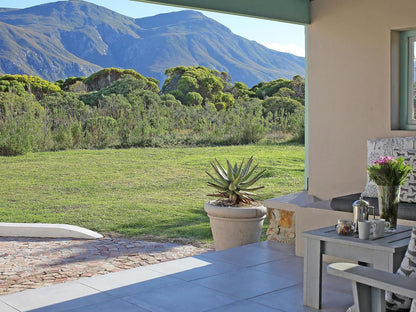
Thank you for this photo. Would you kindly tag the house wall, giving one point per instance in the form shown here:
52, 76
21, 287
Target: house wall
349, 46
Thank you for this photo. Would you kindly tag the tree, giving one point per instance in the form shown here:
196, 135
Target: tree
267, 89
298, 86
72, 84
276, 104
285, 92
193, 99
240, 90
208, 83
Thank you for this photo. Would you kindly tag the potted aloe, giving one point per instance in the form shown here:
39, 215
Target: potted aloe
236, 218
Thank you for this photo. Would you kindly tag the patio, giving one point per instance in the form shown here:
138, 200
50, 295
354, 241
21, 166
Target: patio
261, 277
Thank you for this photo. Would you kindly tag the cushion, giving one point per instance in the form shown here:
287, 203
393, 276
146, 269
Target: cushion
408, 189
397, 302
344, 203
406, 211
384, 147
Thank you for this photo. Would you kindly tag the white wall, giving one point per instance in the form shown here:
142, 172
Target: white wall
349, 77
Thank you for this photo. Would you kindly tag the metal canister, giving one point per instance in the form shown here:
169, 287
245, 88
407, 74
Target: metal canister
360, 211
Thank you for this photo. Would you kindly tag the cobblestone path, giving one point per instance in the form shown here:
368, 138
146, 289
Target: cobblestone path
27, 263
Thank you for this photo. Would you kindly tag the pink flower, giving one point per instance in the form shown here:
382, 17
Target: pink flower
383, 160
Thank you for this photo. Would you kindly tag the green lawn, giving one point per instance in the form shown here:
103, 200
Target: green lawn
134, 192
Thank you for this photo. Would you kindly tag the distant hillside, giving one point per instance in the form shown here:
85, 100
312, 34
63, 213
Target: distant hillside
76, 38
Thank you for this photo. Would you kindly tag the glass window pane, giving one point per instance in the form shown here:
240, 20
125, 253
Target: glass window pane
411, 104
413, 79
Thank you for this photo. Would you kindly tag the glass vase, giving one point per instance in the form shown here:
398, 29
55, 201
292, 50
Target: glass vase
388, 203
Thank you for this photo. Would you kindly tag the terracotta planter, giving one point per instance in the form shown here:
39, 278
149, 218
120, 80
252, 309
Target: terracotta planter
235, 226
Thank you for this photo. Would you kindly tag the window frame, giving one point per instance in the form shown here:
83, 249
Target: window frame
407, 76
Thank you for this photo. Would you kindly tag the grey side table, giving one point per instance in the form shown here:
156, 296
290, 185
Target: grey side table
384, 253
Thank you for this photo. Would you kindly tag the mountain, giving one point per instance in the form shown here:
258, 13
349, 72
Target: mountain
76, 38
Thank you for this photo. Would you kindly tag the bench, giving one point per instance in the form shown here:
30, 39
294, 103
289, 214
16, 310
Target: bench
407, 211
369, 285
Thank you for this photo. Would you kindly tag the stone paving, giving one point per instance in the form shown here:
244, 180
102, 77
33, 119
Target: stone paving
27, 263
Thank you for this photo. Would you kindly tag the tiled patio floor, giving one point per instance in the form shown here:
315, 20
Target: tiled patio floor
255, 278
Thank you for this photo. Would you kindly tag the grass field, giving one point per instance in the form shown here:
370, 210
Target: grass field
134, 192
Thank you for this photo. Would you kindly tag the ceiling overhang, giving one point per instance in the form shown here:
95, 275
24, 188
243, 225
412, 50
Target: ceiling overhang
292, 11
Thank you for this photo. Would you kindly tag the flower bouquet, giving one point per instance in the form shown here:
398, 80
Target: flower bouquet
389, 174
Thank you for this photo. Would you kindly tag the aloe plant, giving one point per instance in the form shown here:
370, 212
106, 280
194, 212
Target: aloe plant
234, 183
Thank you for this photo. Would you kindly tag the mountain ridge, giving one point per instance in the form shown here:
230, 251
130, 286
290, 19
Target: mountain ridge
90, 37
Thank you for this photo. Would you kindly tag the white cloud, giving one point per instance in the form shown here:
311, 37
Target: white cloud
289, 48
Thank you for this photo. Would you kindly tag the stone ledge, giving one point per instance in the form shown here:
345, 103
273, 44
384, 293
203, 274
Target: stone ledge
44, 230
307, 212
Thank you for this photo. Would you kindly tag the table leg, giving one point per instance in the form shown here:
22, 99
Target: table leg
384, 262
312, 273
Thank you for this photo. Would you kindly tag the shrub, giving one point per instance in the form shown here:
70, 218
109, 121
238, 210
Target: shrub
276, 104
267, 89
21, 124
32, 84
193, 99
101, 132
297, 125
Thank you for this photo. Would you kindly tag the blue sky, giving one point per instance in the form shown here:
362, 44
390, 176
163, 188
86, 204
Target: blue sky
275, 35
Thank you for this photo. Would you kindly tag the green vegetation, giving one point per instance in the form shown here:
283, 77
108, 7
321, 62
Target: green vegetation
119, 108
234, 183
135, 192
31, 84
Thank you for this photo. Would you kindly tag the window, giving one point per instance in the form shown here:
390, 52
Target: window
408, 80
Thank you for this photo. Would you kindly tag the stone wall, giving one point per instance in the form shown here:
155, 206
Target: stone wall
282, 225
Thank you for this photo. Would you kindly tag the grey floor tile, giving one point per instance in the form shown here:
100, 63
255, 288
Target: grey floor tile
6, 308
179, 265
335, 283
246, 255
285, 248
245, 283
290, 268
122, 278
291, 300
336, 301
61, 297
183, 296
193, 268
115, 305
243, 306
143, 286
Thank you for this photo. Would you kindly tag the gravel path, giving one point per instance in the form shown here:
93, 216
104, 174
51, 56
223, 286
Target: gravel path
27, 263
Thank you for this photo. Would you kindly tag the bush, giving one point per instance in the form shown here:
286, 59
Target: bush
264, 90
193, 99
21, 124
32, 84
66, 114
197, 106
276, 104
297, 125
101, 132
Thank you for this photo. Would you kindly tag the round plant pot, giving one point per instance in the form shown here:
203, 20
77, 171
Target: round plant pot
235, 226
